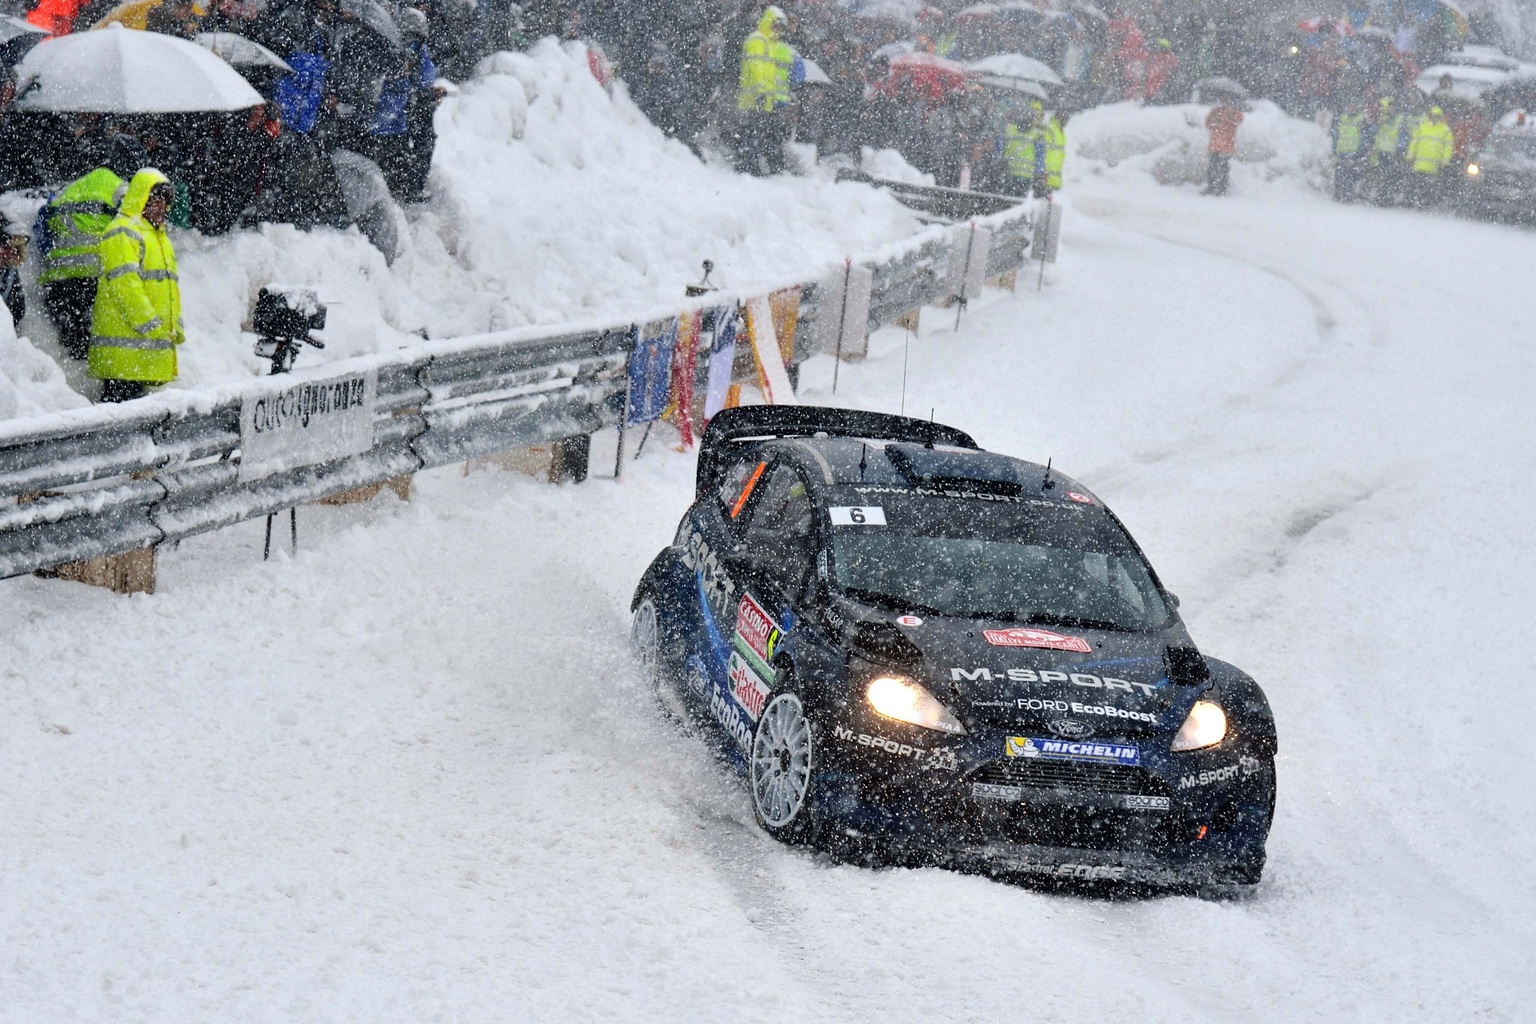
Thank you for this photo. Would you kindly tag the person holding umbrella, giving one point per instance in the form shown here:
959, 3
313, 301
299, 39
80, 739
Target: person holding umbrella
136, 324
1222, 122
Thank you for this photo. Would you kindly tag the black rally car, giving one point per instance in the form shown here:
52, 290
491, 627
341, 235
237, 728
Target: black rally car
948, 656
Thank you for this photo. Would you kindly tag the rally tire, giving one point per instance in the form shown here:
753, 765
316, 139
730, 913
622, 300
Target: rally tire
646, 633
780, 769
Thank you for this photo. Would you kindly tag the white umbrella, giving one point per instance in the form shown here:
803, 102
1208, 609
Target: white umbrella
1022, 85
1467, 82
1220, 86
119, 70
814, 75
240, 51
1016, 65
897, 49
13, 28
17, 36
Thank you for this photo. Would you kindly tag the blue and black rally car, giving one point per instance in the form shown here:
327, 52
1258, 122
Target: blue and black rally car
937, 654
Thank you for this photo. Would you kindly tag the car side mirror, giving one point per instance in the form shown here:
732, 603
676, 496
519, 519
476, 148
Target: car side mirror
1173, 599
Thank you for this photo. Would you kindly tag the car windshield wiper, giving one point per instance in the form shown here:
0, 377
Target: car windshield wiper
889, 601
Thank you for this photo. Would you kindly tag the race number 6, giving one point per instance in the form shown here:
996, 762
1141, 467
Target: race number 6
857, 515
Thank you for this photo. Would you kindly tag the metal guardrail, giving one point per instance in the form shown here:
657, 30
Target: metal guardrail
937, 201
110, 479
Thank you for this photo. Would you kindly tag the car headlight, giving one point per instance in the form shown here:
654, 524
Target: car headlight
1473, 170
1206, 726
905, 701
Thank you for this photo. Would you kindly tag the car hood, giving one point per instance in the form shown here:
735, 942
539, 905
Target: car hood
1490, 162
1068, 682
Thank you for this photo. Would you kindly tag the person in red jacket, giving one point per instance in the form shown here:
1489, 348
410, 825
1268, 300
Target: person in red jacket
56, 17
1222, 122
1161, 64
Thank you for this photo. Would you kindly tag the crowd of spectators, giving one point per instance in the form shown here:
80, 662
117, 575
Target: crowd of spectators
364, 78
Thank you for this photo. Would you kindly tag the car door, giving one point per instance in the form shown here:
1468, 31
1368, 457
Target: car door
771, 566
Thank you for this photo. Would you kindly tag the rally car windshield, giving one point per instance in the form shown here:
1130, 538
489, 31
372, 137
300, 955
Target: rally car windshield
1517, 148
1024, 561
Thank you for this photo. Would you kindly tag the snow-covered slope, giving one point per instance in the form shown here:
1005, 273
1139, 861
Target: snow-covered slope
554, 201
1128, 143
30, 382
410, 774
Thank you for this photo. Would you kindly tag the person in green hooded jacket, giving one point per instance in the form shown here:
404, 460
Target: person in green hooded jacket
136, 323
76, 219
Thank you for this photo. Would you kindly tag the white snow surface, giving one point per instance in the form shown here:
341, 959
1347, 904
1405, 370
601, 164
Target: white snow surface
410, 774
1128, 143
554, 201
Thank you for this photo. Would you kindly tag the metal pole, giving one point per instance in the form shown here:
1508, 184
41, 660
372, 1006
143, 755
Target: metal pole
970, 250
842, 324
1040, 284
618, 458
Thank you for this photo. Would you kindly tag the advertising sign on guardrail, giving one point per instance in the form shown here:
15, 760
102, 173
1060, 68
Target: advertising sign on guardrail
307, 423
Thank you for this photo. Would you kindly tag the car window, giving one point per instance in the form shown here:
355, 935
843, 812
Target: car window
737, 482
784, 508
1520, 148
779, 534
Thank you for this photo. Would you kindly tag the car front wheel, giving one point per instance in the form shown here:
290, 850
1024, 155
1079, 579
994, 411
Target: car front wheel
783, 758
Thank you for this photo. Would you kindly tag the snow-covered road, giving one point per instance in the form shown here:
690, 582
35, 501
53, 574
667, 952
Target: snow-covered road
410, 776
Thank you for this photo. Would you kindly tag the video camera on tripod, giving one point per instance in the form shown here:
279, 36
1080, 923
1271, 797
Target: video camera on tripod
283, 318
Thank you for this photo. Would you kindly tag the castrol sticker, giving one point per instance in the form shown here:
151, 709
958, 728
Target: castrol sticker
747, 687
1042, 638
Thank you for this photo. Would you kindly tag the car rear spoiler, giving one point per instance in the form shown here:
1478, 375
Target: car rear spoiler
763, 422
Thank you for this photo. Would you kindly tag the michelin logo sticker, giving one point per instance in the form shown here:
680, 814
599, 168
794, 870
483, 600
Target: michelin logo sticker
1073, 750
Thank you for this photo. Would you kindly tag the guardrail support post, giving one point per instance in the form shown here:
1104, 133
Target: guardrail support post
132, 572
569, 460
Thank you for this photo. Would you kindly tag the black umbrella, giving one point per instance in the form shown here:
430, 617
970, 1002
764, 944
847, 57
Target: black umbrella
373, 16
1220, 86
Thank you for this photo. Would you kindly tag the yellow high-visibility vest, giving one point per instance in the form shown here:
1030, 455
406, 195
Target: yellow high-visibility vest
136, 322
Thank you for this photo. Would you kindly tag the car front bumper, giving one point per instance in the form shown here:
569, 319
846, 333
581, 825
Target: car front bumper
1174, 819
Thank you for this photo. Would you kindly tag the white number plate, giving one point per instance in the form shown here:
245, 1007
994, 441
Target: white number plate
857, 515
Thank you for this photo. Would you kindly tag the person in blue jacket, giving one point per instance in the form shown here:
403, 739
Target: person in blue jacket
401, 137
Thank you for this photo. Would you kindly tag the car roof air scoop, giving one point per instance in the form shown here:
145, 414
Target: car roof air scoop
954, 471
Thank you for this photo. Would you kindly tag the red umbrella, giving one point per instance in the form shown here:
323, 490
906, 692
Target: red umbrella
926, 75
1338, 27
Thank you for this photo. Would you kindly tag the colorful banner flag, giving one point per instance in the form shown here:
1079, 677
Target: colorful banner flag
785, 305
650, 370
720, 325
685, 365
771, 376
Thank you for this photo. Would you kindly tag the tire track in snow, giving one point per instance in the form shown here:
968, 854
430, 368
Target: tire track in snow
1341, 318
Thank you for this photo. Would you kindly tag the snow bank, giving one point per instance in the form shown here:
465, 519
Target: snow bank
30, 382
438, 791
553, 200
1127, 143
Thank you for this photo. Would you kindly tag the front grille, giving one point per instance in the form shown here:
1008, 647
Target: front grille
1070, 776
1069, 803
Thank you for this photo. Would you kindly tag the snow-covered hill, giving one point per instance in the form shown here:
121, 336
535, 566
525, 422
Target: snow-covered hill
411, 775
553, 201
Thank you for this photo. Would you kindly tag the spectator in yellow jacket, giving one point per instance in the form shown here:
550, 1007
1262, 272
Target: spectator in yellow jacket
136, 322
762, 97
1430, 148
